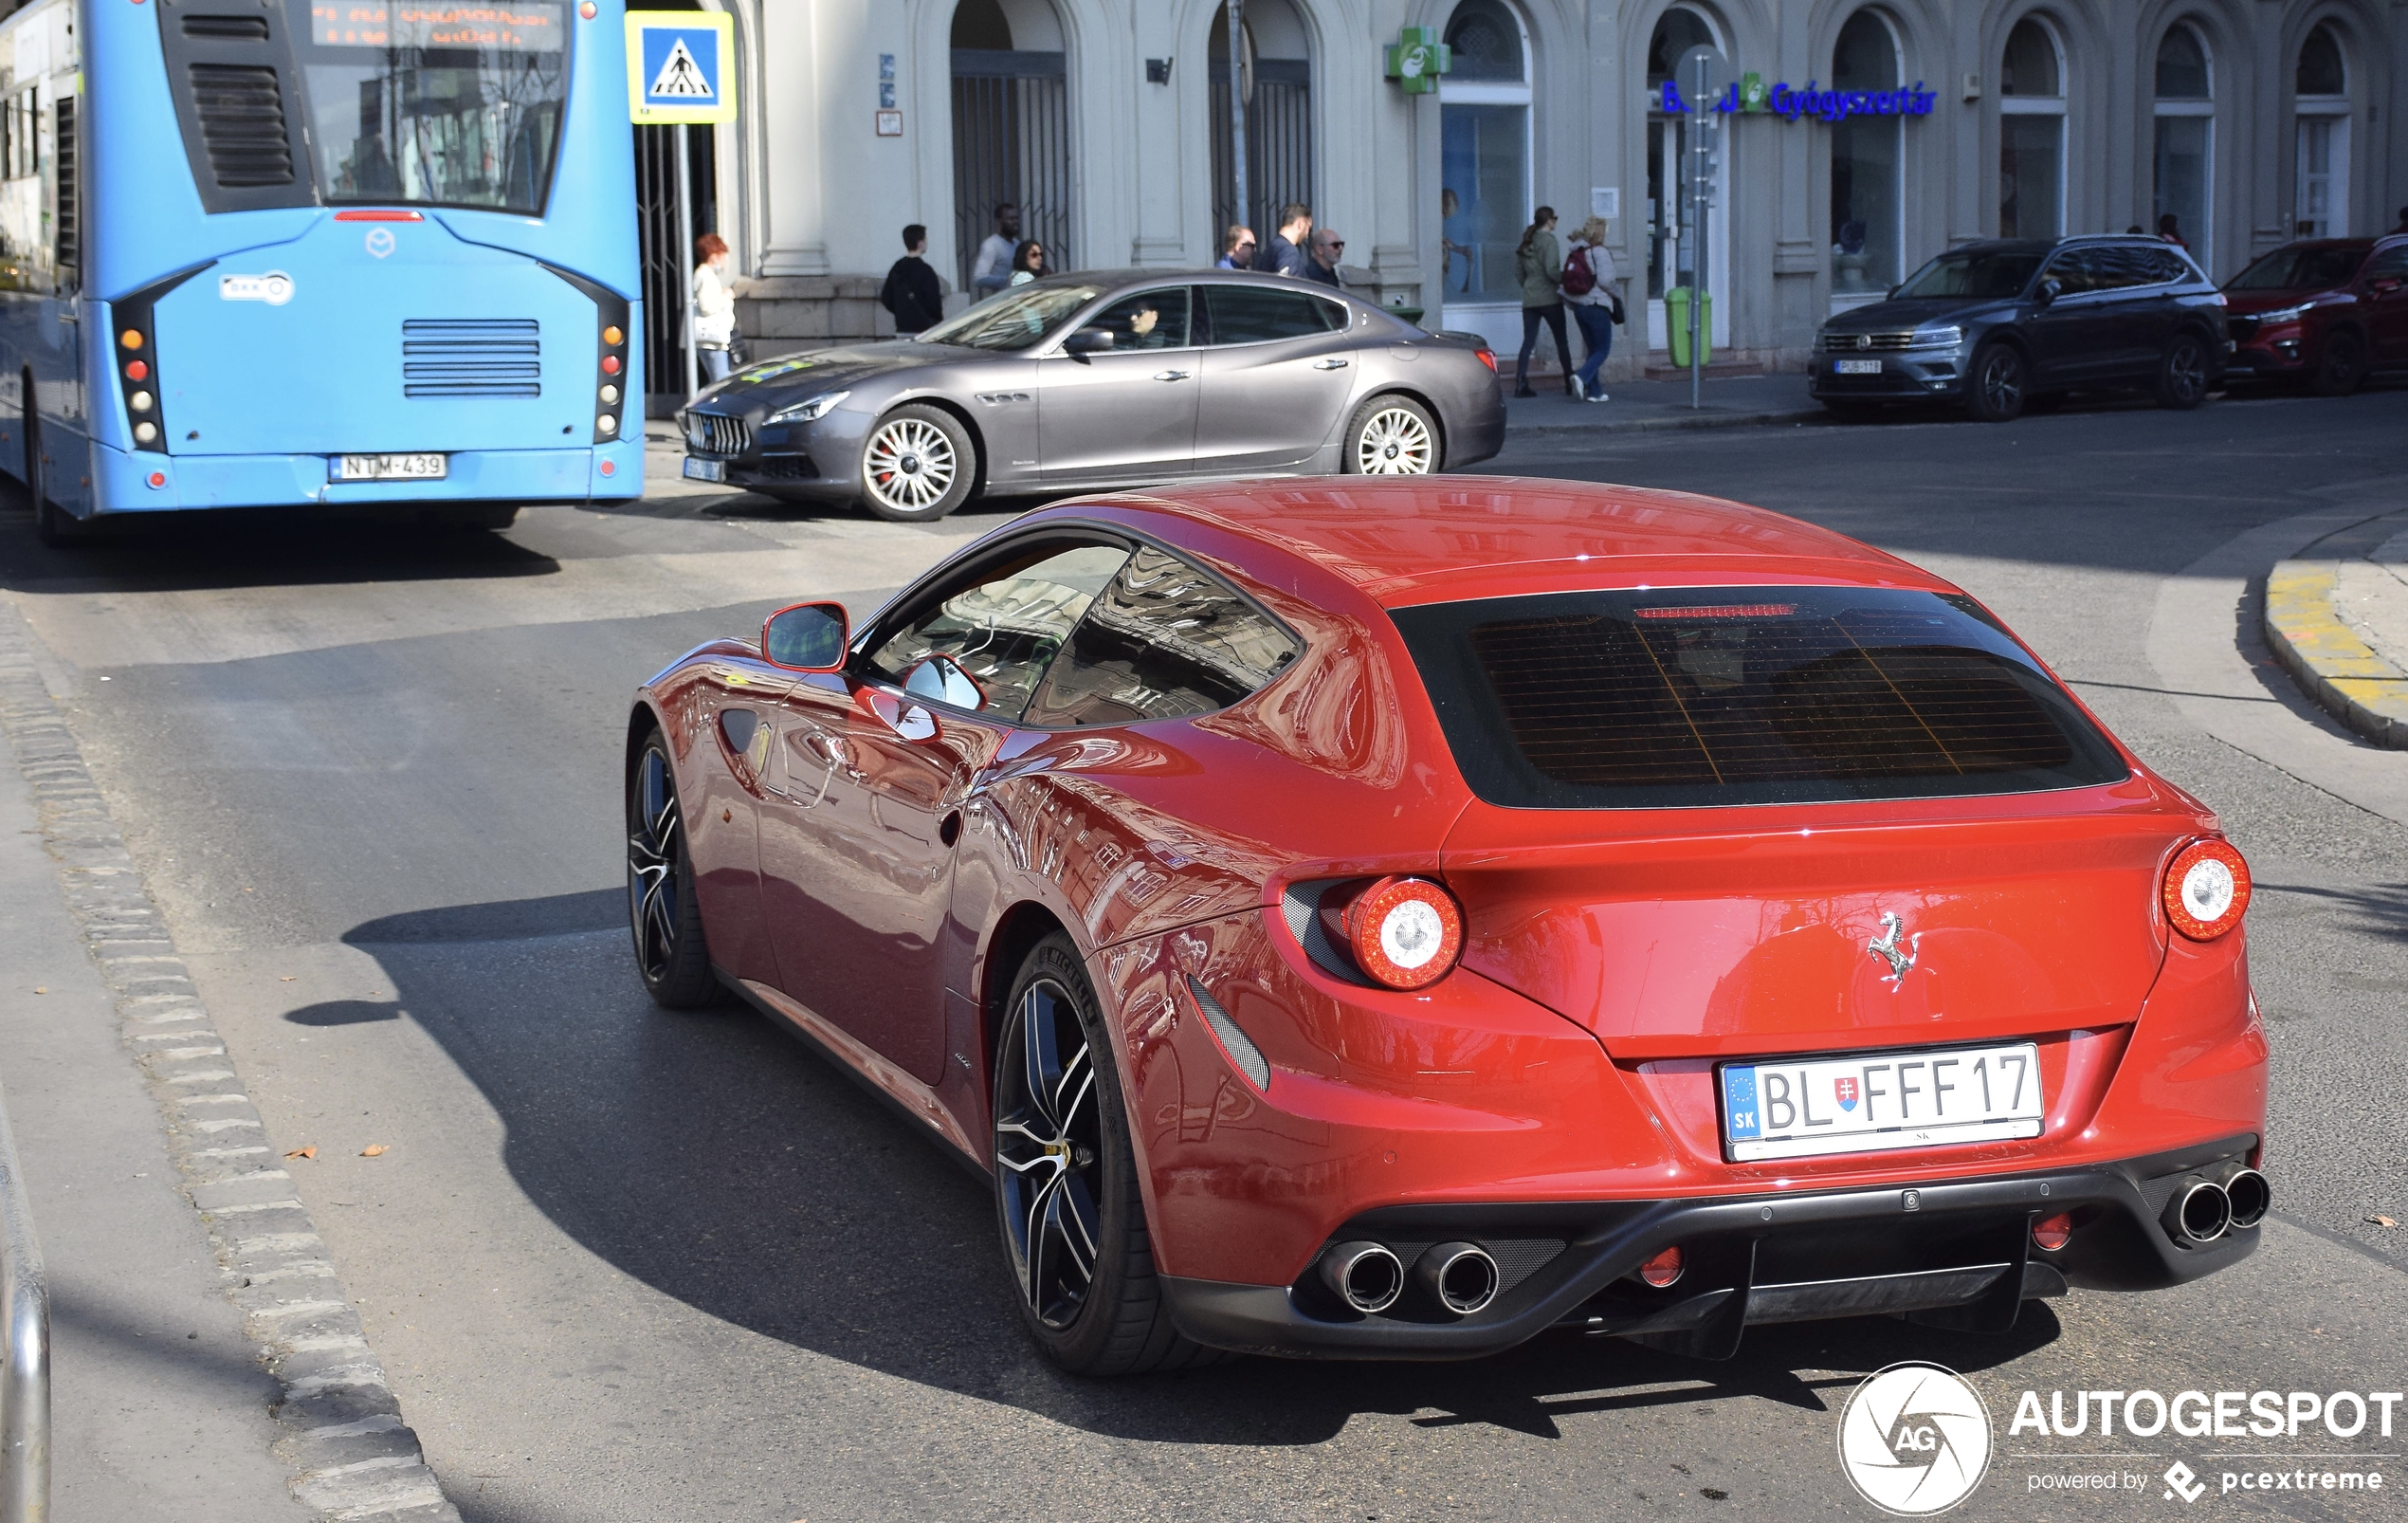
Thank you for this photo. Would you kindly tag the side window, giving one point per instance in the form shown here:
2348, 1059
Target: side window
2168, 268
1257, 314
1162, 641
2074, 272
1150, 320
1003, 623
2389, 264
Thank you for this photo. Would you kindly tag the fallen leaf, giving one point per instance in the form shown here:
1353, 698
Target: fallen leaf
285, 977
310, 1151
371, 1149
2382, 1221
42, 988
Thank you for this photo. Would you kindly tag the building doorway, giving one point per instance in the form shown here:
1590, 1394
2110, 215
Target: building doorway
1672, 244
1867, 152
1484, 198
1278, 74
1011, 129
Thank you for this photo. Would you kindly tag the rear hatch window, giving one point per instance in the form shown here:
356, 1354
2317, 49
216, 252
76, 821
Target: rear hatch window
1689, 697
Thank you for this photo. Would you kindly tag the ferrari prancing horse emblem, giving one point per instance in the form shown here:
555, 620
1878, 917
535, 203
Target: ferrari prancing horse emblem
1901, 958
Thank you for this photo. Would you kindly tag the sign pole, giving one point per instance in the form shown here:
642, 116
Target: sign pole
1697, 231
1236, 13
685, 261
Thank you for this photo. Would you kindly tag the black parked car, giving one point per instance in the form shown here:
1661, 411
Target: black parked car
2011, 326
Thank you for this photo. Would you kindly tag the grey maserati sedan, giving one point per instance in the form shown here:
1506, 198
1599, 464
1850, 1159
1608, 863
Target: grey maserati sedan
1117, 378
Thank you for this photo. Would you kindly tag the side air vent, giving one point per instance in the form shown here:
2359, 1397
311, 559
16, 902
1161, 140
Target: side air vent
227, 29
471, 357
241, 119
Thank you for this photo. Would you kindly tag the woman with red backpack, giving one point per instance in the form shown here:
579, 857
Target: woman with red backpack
1588, 290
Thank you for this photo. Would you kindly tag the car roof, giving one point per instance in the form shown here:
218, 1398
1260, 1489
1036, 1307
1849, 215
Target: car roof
1423, 540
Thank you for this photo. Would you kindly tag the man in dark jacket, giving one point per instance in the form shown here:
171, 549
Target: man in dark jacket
1284, 255
913, 293
1328, 249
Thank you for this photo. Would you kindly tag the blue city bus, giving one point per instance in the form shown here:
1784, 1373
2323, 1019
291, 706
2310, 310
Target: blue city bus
317, 252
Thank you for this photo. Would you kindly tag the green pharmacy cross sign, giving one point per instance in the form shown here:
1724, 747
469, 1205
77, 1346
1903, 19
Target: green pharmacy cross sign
1417, 58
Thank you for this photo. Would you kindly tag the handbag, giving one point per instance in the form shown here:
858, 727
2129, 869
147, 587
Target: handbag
1615, 311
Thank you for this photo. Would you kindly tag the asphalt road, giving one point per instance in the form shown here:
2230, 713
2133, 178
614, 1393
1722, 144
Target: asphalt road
627, 1265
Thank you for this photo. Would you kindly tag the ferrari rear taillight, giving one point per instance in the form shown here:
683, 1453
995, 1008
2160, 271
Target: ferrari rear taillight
1406, 932
2206, 888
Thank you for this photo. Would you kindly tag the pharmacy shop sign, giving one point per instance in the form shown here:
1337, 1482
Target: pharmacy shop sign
1749, 94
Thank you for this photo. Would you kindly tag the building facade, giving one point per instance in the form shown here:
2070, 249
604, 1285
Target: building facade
1856, 139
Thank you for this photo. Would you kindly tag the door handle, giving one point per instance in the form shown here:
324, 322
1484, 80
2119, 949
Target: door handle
831, 749
1329, 364
1170, 375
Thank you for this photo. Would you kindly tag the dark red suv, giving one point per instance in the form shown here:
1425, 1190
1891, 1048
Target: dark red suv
2328, 311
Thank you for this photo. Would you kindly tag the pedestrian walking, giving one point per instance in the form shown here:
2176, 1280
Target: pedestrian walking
1588, 290
1284, 255
1538, 259
1028, 263
992, 271
713, 310
2403, 220
1328, 249
1237, 249
913, 293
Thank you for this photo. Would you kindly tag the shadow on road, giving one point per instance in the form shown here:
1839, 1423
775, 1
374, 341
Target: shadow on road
725, 1165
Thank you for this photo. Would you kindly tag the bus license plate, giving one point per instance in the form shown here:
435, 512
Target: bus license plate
1856, 367
706, 470
1805, 1107
392, 467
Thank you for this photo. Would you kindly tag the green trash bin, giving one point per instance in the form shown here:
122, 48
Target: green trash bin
1676, 323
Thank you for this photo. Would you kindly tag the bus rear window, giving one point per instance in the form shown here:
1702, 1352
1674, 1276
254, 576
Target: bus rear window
433, 104
1690, 697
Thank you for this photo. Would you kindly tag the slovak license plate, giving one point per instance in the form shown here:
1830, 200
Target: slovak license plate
1855, 367
706, 470
392, 467
1806, 1107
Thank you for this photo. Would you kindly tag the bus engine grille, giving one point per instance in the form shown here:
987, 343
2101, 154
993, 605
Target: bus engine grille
471, 357
242, 112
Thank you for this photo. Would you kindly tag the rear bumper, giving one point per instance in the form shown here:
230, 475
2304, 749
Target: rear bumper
122, 480
1957, 1253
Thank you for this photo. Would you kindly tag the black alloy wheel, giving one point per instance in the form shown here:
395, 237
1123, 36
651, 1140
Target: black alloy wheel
670, 953
1067, 1199
2181, 373
2341, 367
1994, 391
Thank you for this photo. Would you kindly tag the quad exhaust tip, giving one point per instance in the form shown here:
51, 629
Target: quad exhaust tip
1458, 1276
2249, 1195
1366, 1275
2198, 1213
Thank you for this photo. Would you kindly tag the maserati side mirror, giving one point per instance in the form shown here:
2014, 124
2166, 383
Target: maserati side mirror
1088, 341
806, 637
2049, 291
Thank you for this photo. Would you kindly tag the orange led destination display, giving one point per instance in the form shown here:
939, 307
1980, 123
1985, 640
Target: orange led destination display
516, 28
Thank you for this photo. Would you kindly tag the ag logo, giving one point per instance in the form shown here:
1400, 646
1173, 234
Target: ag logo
1914, 1439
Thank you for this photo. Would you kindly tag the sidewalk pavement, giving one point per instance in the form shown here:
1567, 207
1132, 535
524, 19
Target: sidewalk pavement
2336, 619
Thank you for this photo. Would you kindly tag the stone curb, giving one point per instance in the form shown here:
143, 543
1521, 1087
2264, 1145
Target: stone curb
1675, 423
354, 1459
2338, 669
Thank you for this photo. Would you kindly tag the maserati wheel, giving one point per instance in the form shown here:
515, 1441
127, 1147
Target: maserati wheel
918, 466
1066, 1200
670, 953
1392, 436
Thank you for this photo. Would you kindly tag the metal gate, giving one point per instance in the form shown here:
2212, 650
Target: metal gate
1279, 146
657, 236
1011, 143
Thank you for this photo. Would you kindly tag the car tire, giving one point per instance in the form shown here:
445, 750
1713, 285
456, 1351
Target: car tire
672, 956
1068, 1206
2181, 373
2341, 367
917, 465
1390, 436
1995, 384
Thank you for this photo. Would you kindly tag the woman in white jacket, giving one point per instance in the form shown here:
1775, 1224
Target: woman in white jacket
714, 312
1588, 290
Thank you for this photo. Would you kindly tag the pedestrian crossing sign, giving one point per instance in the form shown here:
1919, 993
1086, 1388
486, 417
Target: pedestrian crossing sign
680, 66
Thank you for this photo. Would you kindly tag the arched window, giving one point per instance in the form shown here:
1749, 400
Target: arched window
2321, 100
1677, 32
1011, 137
1672, 244
1484, 130
2186, 142
1867, 218
2031, 133
1277, 73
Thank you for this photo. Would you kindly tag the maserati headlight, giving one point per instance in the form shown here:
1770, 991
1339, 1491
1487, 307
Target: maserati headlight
810, 411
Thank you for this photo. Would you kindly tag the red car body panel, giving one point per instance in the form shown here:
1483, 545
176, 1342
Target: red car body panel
2371, 308
1611, 957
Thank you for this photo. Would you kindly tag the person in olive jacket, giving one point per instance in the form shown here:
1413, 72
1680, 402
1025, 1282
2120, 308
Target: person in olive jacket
1538, 262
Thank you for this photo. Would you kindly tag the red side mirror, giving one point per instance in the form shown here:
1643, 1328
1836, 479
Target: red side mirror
807, 637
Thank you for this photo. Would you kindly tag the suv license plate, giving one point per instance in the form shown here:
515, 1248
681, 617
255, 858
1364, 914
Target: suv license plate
1855, 367
706, 470
392, 467
1805, 1107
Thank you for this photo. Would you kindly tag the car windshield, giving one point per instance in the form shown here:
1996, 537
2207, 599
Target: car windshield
1974, 272
1681, 697
1012, 319
2300, 269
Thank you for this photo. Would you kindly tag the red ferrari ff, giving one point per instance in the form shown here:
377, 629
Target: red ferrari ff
1395, 919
